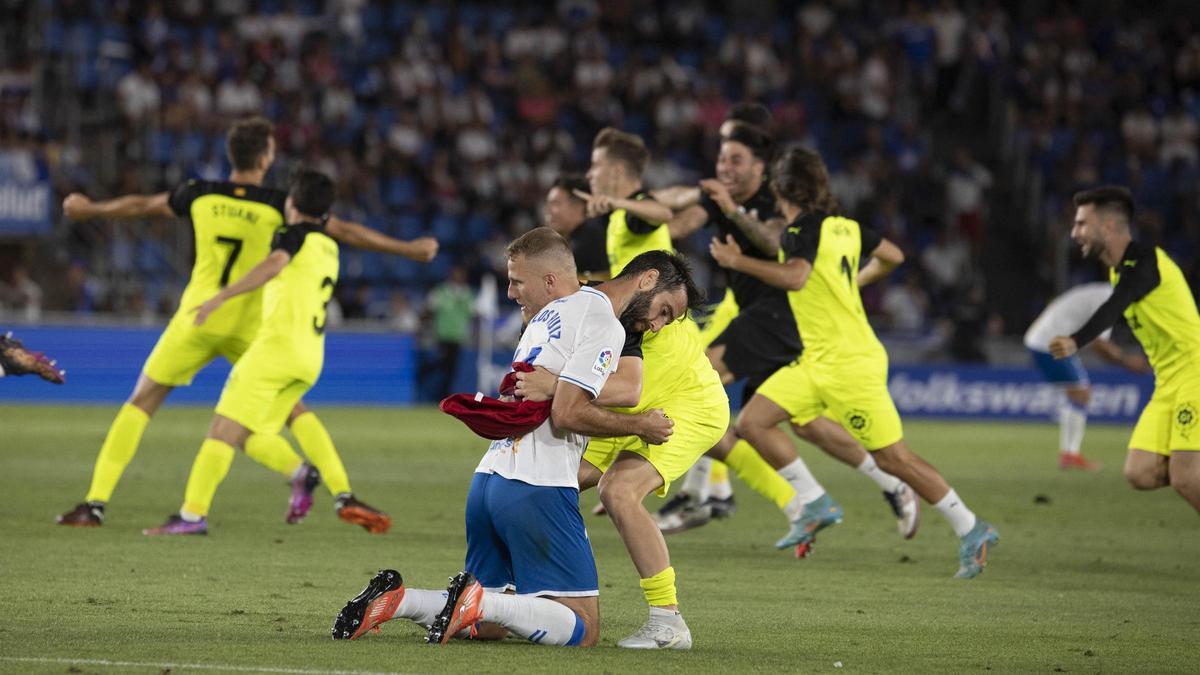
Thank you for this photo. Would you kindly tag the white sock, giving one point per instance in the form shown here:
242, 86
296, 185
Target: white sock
722, 490
695, 482
1072, 420
807, 488
883, 479
539, 620
667, 616
961, 518
420, 605
190, 517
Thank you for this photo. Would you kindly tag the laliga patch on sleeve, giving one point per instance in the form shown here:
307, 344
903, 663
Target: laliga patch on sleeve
603, 361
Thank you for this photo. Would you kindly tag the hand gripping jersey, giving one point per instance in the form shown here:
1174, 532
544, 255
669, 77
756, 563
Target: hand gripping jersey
579, 339
233, 225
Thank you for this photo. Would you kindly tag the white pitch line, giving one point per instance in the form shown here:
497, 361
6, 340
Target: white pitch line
193, 666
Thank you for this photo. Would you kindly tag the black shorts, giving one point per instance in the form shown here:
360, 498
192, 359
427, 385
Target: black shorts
761, 339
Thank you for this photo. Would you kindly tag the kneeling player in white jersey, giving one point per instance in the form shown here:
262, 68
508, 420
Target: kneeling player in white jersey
1064, 316
524, 531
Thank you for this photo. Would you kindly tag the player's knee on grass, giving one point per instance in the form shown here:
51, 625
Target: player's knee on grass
1146, 470
588, 611
148, 395
627, 482
759, 415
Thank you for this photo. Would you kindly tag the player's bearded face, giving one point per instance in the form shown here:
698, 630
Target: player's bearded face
737, 169
1087, 232
651, 310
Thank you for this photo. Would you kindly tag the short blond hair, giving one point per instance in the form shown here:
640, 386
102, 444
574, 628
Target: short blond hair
627, 148
544, 244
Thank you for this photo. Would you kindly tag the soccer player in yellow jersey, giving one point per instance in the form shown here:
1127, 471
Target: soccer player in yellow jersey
1152, 293
233, 221
751, 335
843, 371
675, 376
285, 358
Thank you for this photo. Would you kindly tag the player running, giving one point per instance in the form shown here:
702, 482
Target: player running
286, 356
1065, 315
524, 530
751, 335
16, 360
1153, 295
234, 222
844, 366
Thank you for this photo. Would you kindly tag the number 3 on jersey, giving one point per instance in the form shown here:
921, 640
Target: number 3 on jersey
319, 321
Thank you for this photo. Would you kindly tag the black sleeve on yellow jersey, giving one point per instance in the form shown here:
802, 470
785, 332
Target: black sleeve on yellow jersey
870, 240
290, 238
633, 345
802, 238
1139, 275
181, 199
637, 225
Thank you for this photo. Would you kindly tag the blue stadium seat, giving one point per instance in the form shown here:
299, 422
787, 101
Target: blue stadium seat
446, 228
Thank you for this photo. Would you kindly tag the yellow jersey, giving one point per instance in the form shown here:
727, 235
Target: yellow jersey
673, 359
829, 310
233, 225
627, 236
293, 323
1150, 291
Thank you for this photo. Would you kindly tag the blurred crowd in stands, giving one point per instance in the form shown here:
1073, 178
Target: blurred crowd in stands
454, 118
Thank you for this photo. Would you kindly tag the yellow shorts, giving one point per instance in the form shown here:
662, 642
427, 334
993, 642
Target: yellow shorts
719, 320
1169, 420
700, 422
259, 396
854, 395
183, 350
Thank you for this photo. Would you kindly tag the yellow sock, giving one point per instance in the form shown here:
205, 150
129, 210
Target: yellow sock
209, 469
318, 446
274, 452
120, 445
719, 473
755, 472
660, 588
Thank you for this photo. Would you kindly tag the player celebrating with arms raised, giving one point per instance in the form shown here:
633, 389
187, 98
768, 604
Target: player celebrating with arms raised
844, 366
1152, 293
288, 352
234, 222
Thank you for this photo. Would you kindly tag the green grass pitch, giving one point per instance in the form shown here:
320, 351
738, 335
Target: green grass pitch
1099, 579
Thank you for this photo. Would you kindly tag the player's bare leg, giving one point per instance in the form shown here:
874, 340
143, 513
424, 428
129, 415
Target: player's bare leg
1147, 470
208, 471
811, 509
976, 537
120, 445
1184, 472
622, 488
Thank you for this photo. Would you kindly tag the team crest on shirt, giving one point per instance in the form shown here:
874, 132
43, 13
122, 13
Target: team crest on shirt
1185, 419
858, 422
603, 361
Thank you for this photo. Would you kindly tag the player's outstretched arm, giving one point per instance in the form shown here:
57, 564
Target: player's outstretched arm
254, 279
573, 410
677, 197
885, 258
1110, 352
79, 207
648, 210
421, 249
1138, 278
687, 221
790, 275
